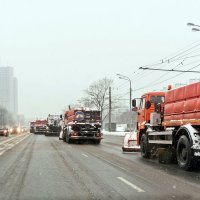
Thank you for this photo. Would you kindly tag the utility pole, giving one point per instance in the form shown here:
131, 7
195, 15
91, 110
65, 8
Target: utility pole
130, 97
110, 109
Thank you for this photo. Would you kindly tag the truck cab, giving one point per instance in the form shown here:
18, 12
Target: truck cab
147, 104
168, 125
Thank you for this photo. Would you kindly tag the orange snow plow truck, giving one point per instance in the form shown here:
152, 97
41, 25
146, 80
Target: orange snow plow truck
168, 125
82, 124
39, 126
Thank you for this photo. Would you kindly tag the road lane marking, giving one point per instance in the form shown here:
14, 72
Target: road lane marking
23, 139
1, 153
12, 138
10, 146
130, 184
84, 155
122, 168
11, 143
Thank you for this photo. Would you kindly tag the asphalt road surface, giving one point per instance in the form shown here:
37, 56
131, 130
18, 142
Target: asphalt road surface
39, 167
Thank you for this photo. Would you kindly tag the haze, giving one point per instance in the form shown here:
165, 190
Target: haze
59, 47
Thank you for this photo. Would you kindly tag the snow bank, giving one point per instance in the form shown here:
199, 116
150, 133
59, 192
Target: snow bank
114, 133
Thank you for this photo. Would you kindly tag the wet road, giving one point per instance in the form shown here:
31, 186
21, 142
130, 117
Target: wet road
42, 167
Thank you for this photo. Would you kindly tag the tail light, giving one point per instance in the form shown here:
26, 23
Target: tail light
74, 134
98, 134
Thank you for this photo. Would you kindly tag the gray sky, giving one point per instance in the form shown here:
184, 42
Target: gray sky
59, 47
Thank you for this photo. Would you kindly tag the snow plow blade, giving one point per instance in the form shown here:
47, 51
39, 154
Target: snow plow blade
130, 143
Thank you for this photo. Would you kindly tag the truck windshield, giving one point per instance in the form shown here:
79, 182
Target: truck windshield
157, 99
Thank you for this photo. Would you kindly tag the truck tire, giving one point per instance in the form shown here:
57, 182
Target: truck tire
184, 153
144, 147
67, 139
64, 137
97, 142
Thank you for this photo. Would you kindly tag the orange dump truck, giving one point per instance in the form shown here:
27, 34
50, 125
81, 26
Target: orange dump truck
168, 125
82, 124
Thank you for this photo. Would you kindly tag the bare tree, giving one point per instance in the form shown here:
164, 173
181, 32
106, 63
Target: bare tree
6, 118
86, 102
97, 94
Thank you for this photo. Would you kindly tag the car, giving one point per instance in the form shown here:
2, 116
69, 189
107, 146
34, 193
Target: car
4, 131
24, 129
16, 130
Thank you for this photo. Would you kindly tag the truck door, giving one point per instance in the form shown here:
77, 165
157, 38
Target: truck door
141, 114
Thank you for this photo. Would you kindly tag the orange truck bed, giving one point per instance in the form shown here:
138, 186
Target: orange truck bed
182, 106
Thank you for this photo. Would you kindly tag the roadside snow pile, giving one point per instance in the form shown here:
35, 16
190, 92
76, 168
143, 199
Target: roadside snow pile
114, 133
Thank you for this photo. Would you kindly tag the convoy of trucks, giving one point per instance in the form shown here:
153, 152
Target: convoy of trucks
82, 124
168, 125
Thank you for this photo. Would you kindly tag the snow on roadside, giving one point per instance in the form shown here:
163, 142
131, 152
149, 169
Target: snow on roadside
114, 133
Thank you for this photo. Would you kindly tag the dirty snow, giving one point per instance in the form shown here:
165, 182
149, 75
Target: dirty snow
114, 133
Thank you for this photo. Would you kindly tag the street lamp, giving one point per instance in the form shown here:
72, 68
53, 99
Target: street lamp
128, 79
195, 29
194, 25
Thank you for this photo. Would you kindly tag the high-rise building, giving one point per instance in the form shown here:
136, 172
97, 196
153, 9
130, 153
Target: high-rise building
15, 97
8, 90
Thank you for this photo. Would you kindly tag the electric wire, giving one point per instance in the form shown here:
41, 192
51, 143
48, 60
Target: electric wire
165, 79
182, 54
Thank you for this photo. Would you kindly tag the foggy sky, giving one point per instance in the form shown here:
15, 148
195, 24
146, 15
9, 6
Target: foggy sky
59, 47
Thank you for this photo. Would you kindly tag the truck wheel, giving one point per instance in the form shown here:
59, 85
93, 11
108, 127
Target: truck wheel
97, 141
144, 147
67, 139
184, 154
64, 137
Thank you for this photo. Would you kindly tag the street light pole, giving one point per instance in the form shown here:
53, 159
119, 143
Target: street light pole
194, 25
128, 79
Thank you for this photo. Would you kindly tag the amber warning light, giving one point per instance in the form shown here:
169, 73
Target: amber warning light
169, 87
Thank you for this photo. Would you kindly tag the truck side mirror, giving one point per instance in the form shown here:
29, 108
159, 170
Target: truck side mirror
147, 105
134, 102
